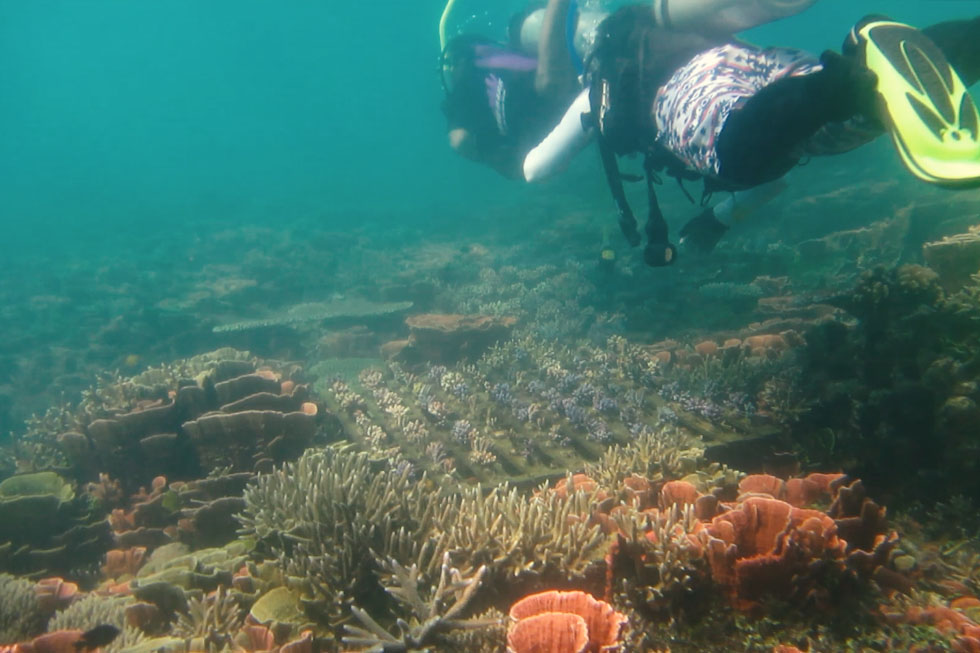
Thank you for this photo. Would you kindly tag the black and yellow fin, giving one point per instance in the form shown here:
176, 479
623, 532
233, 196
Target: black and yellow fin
932, 118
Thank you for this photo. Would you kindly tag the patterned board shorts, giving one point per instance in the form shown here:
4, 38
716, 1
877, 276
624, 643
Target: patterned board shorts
692, 107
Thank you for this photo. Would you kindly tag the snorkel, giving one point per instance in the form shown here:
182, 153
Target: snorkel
442, 24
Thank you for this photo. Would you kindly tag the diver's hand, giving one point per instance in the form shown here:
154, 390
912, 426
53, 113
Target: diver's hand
703, 232
848, 87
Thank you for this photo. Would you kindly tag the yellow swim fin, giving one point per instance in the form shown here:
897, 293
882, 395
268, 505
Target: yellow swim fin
932, 118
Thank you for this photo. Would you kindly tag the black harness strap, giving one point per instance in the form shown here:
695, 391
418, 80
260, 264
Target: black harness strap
656, 227
659, 250
619, 115
627, 221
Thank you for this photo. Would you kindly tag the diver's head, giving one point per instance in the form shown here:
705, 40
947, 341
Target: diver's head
458, 57
620, 32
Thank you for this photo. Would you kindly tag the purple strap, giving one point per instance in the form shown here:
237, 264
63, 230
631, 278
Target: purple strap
493, 57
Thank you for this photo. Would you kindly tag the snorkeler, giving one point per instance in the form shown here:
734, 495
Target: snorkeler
701, 106
502, 99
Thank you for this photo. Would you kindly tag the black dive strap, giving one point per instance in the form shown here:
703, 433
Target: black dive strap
627, 221
659, 250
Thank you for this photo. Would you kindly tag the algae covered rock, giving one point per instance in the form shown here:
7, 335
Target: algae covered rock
449, 338
954, 258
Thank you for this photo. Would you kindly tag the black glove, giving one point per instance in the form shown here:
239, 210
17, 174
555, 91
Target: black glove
703, 232
846, 86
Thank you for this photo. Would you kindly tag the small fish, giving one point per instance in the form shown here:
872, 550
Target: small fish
98, 637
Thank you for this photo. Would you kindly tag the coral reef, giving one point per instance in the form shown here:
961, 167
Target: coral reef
540, 621
431, 618
196, 512
449, 339
21, 617
550, 302
566, 458
893, 397
92, 611
485, 421
661, 546
56, 641
213, 618
221, 410
548, 536
319, 515
45, 529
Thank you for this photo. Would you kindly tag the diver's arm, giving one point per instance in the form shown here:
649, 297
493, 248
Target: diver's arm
553, 154
723, 16
555, 75
714, 17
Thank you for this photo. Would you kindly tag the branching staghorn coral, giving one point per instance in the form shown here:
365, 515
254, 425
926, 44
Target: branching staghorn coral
93, 611
491, 637
669, 562
20, 617
215, 618
324, 515
431, 617
334, 520
665, 453
511, 533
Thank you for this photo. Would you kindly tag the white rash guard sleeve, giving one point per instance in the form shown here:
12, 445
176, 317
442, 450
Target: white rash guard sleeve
558, 148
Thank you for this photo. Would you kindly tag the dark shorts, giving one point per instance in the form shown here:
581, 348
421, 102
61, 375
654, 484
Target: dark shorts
691, 108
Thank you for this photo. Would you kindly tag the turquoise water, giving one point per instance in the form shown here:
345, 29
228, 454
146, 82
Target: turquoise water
183, 177
132, 132
117, 113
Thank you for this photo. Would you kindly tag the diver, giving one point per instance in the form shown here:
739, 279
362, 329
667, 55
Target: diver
699, 105
500, 101
503, 99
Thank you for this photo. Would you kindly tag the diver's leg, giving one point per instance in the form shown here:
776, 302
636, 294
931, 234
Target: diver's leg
555, 76
763, 139
960, 42
723, 16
